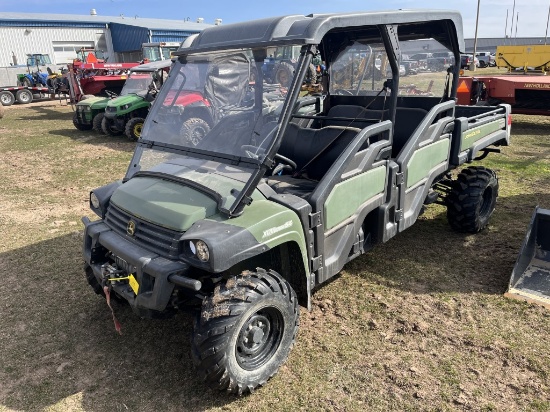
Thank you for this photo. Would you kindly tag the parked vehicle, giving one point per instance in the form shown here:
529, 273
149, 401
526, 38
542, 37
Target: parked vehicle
440, 61
89, 113
156, 51
466, 61
282, 191
36, 78
486, 59
126, 113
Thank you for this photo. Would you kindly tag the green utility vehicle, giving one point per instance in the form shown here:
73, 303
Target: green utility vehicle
127, 112
89, 113
284, 189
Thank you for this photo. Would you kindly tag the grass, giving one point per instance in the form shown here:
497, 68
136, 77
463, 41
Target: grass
419, 323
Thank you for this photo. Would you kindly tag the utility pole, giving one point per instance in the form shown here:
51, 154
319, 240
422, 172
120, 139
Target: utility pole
506, 27
512, 21
547, 21
473, 64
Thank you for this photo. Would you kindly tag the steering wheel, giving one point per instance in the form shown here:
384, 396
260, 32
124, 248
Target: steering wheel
285, 161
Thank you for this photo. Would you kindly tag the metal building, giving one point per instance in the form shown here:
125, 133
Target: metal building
61, 35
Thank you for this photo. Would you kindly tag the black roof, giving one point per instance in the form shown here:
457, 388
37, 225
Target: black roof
310, 29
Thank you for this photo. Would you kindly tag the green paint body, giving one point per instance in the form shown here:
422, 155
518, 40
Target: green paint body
470, 136
425, 159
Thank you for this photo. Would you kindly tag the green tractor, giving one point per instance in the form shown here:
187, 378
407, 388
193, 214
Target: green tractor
89, 113
127, 112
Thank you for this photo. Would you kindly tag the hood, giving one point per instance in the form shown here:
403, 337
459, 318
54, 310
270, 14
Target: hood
122, 100
165, 203
94, 102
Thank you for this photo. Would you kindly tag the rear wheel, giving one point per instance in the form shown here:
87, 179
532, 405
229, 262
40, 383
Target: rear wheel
134, 127
80, 126
23, 96
193, 130
7, 98
26, 82
472, 199
96, 122
482, 64
246, 331
108, 127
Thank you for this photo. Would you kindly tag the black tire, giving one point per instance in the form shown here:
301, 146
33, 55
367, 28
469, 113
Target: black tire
80, 126
472, 199
133, 128
92, 281
482, 64
193, 130
108, 127
96, 122
26, 82
7, 98
246, 331
23, 96
283, 74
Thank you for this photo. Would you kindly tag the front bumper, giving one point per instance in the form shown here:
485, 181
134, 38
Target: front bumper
156, 275
84, 117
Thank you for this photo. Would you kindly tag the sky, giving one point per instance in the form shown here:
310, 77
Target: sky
531, 15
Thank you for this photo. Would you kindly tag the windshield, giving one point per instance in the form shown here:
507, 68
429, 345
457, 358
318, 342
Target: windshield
137, 82
218, 103
213, 106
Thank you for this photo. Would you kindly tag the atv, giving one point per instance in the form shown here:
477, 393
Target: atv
89, 113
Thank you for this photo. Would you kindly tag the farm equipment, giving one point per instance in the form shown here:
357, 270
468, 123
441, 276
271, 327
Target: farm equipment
126, 113
153, 52
530, 278
527, 94
89, 75
525, 58
282, 191
35, 78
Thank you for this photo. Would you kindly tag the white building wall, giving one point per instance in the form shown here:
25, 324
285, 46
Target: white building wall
23, 40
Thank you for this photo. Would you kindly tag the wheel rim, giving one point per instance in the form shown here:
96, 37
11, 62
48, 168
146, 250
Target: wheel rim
259, 338
137, 130
5, 98
196, 135
486, 203
24, 97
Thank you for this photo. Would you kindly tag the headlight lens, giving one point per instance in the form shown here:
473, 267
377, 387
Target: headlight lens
94, 200
87, 109
125, 106
201, 250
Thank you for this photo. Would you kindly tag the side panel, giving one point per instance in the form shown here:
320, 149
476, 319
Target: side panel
347, 196
426, 159
470, 136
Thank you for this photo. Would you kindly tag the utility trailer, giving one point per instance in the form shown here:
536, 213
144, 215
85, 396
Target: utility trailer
22, 94
527, 94
241, 226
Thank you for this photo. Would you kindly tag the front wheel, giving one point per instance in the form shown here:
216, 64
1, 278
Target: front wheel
246, 331
109, 128
80, 126
472, 199
97, 121
134, 127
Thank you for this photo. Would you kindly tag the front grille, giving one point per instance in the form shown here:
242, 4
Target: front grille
148, 235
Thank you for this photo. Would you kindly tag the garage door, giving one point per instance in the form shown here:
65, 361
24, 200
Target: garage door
65, 52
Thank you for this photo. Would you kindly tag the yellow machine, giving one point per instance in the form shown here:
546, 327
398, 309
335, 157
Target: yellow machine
526, 58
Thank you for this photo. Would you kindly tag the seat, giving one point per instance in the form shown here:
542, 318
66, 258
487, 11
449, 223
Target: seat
302, 145
353, 116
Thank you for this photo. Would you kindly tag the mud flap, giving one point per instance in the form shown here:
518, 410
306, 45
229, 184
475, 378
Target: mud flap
530, 279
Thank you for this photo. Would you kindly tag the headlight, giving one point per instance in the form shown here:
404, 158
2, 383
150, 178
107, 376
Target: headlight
94, 200
125, 106
87, 109
200, 249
